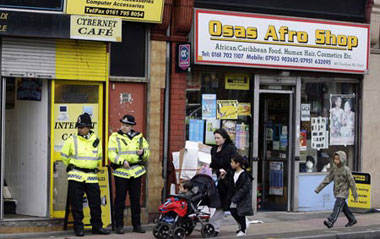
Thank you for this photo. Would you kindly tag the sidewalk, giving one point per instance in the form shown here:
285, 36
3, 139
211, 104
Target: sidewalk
276, 225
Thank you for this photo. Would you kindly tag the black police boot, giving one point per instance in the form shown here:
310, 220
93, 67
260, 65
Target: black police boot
79, 232
138, 229
100, 231
351, 223
120, 230
328, 224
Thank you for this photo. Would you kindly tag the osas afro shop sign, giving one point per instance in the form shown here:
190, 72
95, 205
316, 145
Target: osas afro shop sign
240, 39
132, 10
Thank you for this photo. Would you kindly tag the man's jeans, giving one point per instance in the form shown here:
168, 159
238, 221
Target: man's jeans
340, 204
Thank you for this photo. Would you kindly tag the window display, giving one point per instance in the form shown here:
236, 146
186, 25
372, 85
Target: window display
328, 122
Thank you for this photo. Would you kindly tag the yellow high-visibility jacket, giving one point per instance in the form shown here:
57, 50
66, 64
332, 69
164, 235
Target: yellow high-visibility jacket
124, 147
81, 153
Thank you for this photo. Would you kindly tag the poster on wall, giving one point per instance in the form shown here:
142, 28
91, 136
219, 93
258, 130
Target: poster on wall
342, 119
276, 178
208, 106
227, 109
196, 129
319, 133
303, 140
305, 112
244, 109
236, 81
230, 127
211, 126
242, 136
29, 89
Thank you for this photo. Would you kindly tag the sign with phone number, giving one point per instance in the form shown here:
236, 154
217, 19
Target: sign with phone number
132, 10
240, 39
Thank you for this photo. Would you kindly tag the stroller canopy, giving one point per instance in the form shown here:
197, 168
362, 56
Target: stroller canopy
207, 189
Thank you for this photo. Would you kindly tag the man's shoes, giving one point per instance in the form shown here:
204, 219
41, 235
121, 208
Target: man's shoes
79, 232
216, 233
328, 224
138, 229
351, 223
119, 230
100, 231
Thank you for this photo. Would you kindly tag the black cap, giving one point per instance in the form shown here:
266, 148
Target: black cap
128, 119
84, 120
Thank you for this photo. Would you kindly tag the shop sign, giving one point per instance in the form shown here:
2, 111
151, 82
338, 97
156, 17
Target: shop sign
241, 39
95, 28
183, 57
132, 10
363, 187
236, 81
29, 89
50, 5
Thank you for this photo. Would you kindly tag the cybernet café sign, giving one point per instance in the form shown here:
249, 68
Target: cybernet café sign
228, 38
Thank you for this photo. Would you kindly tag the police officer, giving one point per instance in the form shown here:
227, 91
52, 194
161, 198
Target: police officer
82, 153
128, 151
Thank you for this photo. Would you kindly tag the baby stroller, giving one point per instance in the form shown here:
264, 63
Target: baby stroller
180, 214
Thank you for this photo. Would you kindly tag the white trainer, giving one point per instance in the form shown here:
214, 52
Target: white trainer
240, 234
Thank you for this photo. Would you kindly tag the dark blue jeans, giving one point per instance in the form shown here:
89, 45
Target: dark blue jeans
341, 205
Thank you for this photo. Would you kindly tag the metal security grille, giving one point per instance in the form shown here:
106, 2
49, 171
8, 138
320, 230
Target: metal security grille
32, 58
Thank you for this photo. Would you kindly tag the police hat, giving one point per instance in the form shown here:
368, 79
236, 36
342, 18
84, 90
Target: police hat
128, 119
84, 120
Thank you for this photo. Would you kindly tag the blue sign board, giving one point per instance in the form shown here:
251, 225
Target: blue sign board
184, 56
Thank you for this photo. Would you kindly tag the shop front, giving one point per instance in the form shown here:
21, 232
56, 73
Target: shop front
288, 92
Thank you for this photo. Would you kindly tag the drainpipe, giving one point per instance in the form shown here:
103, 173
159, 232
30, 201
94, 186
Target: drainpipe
166, 117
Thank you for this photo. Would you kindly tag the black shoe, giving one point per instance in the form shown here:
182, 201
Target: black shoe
350, 224
119, 230
138, 229
79, 232
215, 234
328, 224
100, 231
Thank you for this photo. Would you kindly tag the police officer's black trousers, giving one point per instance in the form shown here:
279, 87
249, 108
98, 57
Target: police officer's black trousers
341, 205
132, 186
76, 192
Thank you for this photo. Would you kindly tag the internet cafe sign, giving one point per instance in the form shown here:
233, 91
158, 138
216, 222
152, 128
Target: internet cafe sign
132, 10
95, 28
227, 38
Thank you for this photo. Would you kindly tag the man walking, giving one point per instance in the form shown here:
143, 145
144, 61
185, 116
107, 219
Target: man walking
128, 151
82, 153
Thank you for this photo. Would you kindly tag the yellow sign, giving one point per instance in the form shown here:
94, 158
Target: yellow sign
227, 109
237, 81
244, 109
95, 28
363, 187
132, 10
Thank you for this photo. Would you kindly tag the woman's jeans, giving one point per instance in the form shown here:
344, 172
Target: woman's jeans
341, 205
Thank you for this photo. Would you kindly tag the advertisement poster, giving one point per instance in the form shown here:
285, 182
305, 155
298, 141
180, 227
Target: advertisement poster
242, 136
66, 116
250, 40
236, 81
244, 109
29, 89
276, 178
319, 133
342, 119
303, 140
208, 106
196, 130
227, 109
211, 126
230, 127
363, 187
305, 112
132, 10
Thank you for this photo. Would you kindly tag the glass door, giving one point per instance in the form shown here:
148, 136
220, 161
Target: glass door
69, 100
275, 149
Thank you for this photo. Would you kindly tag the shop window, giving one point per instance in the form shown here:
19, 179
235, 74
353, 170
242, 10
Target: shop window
76, 93
219, 99
329, 113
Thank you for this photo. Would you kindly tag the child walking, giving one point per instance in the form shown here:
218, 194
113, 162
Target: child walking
241, 194
343, 180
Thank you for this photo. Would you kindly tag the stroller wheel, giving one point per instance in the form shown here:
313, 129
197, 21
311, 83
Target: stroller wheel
179, 233
156, 232
207, 230
164, 231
